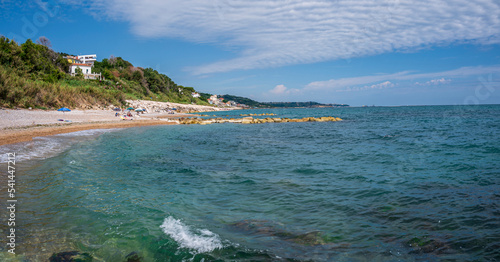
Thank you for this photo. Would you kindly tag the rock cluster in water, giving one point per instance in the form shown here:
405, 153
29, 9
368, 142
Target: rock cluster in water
70, 256
251, 120
76, 256
278, 231
424, 245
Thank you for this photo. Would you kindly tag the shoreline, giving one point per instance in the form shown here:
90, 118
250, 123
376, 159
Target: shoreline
21, 125
27, 133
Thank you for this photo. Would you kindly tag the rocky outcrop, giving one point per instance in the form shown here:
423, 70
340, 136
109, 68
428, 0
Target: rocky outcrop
251, 120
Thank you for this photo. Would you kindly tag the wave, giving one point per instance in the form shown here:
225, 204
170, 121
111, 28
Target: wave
47, 146
200, 240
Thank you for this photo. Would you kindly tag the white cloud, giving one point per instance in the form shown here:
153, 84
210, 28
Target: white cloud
279, 89
434, 82
285, 32
283, 90
341, 83
438, 81
384, 85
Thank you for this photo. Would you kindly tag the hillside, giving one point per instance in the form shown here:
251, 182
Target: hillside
243, 100
33, 75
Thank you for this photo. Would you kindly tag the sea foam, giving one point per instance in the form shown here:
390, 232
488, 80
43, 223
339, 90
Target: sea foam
198, 240
47, 146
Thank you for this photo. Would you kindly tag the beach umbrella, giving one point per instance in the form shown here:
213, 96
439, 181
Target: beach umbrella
139, 110
64, 109
130, 108
117, 109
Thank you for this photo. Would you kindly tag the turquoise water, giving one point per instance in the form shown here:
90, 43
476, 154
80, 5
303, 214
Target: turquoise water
385, 184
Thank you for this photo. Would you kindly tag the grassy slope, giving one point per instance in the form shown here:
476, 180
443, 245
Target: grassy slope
32, 75
22, 91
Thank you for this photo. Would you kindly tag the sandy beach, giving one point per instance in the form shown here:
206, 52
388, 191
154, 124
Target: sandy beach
20, 125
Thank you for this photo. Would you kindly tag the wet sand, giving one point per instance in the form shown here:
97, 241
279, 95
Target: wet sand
23, 124
20, 125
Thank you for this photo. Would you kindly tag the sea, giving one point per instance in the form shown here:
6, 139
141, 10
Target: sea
410, 183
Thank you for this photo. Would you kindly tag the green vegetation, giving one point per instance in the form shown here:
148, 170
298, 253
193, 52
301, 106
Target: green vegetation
33, 75
243, 100
140, 83
205, 96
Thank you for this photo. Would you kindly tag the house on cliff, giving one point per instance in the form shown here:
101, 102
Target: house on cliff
85, 63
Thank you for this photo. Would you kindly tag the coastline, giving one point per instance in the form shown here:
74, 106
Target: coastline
21, 125
24, 134
163, 178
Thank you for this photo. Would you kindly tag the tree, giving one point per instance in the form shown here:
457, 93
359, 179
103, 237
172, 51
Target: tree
112, 60
79, 73
42, 40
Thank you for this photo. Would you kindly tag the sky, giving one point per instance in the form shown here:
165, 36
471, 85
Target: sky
364, 52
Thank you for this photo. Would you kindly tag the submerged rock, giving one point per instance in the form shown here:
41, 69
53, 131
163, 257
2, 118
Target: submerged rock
424, 245
133, 257
269, 228
70, 256
308, 239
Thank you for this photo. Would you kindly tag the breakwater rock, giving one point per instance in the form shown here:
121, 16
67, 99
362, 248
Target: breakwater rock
251, 120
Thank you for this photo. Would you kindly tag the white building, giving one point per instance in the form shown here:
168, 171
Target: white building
87, 59
85, 63
86, 68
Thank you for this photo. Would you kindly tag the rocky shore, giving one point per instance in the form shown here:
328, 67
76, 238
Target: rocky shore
163, 107
251, 120
20, 125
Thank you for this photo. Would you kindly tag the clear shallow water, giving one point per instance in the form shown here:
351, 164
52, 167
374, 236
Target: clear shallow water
385, 184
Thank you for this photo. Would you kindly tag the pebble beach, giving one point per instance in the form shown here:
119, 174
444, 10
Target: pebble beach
20, 125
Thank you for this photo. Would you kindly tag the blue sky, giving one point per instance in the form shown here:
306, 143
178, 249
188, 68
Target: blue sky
364, 52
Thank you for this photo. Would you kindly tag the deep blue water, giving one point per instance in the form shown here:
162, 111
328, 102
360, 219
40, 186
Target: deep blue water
384, 184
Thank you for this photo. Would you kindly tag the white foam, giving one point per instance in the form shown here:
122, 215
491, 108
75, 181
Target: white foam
47, 146
90, 132
199, 240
